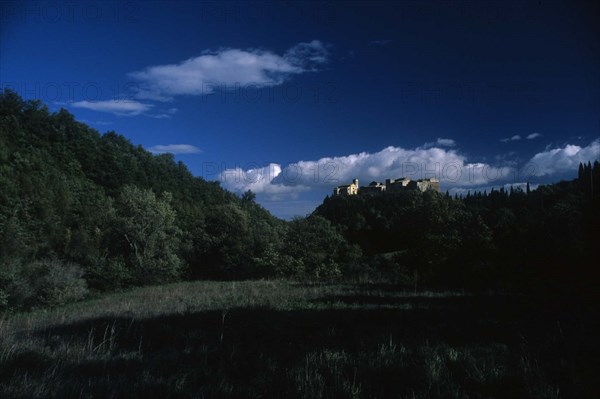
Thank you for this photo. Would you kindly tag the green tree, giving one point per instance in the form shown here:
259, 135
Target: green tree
315, 247
248, 197
144, 225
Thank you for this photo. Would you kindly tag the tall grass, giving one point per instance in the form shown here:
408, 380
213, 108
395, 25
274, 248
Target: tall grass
280, 339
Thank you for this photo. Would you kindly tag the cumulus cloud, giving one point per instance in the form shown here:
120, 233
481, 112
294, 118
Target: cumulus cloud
565, 159
261, 180
516, 137
533, 136
307, 56
116, 107
175, 149
440, 143
453, 169
449, 166
229, 68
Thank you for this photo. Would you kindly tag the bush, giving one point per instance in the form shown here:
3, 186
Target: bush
43, 283
7, 277
104, 274
3, 299
316, 248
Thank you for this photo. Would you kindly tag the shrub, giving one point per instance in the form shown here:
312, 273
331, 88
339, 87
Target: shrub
44, 283
3, 299
108, 273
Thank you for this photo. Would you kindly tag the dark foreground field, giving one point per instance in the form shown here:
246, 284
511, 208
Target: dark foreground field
287, 340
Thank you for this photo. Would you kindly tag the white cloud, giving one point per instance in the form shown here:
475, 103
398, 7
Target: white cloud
175, 149
533, 136
165, 114
229, 68
565, 159
260, 180
452, 168
117, 107
449, 166
307, 55
281, 188
516, 137
440, 142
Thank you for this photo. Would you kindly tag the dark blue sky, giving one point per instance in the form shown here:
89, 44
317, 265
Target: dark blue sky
349, 88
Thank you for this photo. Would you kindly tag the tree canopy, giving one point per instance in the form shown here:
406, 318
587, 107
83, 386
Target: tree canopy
84, 210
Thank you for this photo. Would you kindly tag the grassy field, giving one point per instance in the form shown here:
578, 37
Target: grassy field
276, 339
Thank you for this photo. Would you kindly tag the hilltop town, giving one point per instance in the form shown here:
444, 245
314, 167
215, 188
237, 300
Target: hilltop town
390, 186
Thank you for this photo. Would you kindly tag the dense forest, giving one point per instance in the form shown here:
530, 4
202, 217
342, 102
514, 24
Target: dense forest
85, 212
505, 239
81, 211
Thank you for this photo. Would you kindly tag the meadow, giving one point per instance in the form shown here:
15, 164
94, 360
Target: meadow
281, 339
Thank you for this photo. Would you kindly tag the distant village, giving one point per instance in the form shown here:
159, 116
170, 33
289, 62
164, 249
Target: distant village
390, 186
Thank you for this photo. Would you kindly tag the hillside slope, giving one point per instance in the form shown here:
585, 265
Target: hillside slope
518, 239
120, 215
81, 210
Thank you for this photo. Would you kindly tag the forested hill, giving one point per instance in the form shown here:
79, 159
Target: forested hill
517, 239
75, 201
81, 210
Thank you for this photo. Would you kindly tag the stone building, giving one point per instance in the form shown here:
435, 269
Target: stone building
391, 186
394, 185
349, 189
426, 184
374, 187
